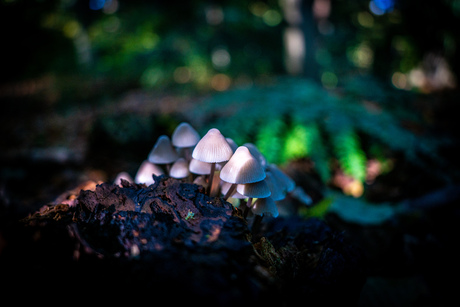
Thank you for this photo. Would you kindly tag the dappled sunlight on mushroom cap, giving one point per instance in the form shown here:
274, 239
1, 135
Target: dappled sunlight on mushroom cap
242, 168
212, 148
145, 171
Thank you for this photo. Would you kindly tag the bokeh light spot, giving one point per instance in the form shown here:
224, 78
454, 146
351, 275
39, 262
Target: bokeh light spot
329, 80
182, 75
220, 82
272, 18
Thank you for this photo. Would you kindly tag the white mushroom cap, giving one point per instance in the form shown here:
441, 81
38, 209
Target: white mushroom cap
254, 190
212, 148
232, 144
163, 152
201, 180
185, 136
226, 186
145, 171
122, 175
257, 154
284, 180
264, 206
198, 167
242, 168
276, 188
179, 169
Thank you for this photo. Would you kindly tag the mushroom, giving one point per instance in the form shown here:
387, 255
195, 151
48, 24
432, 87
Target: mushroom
145, 171
258, 189
232, 144
179, 169
226, 186
242, 168
184, 138
257, 154
198, 167
124, 176
163, 152
281, 178
263, 206
276, 188
212, 148
201, 180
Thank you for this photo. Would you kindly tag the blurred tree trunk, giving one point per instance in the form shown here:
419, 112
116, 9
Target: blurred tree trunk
300, 38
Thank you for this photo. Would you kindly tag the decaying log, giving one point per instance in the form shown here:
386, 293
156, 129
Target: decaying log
170, 238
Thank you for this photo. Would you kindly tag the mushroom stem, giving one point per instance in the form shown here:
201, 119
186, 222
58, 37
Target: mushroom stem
230, 191
168, 168
249, 203
211, 177
188, 153
165, 168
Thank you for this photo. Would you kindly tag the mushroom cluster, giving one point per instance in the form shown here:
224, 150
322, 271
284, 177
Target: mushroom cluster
218, 164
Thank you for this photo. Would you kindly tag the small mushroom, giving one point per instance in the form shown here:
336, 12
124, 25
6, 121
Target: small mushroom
258, 189
198, 167
281, 178
277, 190
163, 152
179, 169
226, 186
263, 206
145, 172
242, 168
201, 180
212, 148
124, 176
232, 144
184, 138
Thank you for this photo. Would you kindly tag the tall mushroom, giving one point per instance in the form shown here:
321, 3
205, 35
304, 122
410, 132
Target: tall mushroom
163, 152
184, 138
242, 168
212, 148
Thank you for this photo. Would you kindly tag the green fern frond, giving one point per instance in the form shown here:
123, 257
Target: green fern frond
270, 140
298, 142
305, 140
348, 150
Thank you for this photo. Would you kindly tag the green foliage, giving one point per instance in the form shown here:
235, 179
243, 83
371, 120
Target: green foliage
348, 151
295, 118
